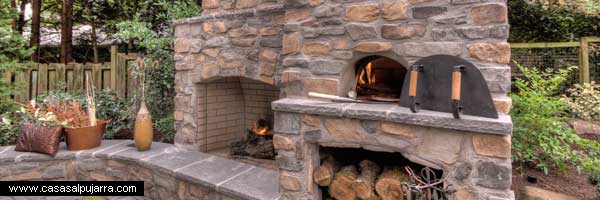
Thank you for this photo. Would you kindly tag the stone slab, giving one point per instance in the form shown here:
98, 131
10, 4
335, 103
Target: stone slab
9, 155
134, 155
173, 159
107, 152
106, 144
212, 171
534, 193
395, 113
257, 183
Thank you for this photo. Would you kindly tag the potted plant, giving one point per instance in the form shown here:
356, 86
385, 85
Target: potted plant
40, 130
82, 129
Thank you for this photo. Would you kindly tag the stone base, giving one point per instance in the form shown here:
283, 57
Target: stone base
168, 172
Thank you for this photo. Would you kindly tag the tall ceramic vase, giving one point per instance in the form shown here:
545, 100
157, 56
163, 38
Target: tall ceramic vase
142, 131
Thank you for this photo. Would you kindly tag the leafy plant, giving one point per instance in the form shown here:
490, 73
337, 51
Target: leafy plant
584, 101
38, 115
70, 113
9, 129
538, 22
541, 135
165, 126
110, 106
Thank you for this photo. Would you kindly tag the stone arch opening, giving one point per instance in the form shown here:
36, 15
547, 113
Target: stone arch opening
379, 78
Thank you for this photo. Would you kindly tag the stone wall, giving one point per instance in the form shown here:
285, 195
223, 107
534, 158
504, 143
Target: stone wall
306, 46
302, 46
168, 172
477, 165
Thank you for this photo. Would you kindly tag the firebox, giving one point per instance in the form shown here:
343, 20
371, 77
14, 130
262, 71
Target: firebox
379, 78
233, 111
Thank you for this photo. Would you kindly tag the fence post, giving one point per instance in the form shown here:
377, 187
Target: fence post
114, 50
584, 62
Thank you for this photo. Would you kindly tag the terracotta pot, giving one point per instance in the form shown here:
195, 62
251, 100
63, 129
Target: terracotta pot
142, 131
85, 137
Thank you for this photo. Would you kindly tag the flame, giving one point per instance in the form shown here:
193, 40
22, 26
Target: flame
260, 130
366, 73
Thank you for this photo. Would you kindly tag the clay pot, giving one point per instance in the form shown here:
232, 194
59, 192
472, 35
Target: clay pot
142, 130
85, 137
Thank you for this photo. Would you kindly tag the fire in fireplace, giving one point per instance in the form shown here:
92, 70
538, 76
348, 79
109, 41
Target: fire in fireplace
258, 142
379, 78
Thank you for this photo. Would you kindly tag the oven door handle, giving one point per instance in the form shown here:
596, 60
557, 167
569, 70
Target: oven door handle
456, 84
412, 87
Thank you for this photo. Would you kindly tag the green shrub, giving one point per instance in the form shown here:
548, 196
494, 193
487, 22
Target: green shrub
584, 101
110, 106
541, 135
9, 130
165, 126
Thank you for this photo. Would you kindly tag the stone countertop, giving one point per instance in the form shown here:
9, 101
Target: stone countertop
229, 177
394, 113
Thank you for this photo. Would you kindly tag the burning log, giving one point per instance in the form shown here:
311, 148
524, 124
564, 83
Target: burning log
388, 184
341, 186
324, 174
258, 143
364, 185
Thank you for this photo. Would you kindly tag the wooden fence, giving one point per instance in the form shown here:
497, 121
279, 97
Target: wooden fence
41, 78
584, 54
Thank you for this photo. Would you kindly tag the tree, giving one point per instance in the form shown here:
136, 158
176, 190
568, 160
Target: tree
12, 51
66, 32
539, 22
34, 40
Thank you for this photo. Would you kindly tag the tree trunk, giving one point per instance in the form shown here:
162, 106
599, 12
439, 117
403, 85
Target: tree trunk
365, 183
34, 40
94, 41
66, 32
324, 174
21, 22
94, 37
341, 186
13, 6
388, 184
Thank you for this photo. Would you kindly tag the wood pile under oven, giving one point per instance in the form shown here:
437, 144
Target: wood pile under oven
370, 180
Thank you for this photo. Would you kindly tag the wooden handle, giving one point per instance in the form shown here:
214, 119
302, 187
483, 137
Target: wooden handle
412, 87
456, 76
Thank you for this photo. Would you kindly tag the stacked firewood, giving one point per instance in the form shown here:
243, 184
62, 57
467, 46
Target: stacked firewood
369, 182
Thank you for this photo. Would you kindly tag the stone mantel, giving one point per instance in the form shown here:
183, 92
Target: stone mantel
394, 113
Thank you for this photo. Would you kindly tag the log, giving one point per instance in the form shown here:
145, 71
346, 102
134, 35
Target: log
323, 175
341, 186
364, 185
388, 184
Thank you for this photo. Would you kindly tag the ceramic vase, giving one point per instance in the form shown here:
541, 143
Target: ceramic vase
142, 131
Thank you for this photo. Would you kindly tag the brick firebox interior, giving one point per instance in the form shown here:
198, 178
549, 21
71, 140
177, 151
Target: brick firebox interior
292, 47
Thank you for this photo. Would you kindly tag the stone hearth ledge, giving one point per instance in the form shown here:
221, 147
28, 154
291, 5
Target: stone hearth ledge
228, 177
394, 113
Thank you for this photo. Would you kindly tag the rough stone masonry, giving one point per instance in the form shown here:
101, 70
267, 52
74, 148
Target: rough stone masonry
302, 46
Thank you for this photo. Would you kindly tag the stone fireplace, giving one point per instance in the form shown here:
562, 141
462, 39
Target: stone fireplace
245, 60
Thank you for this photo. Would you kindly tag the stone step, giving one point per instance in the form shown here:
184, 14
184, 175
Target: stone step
534, 193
